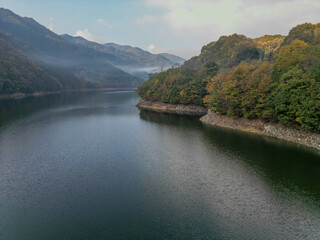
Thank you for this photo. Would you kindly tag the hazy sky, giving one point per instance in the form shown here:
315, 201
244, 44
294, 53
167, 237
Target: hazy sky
175, 26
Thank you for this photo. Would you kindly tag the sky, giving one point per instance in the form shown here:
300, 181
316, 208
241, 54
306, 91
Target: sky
180, 27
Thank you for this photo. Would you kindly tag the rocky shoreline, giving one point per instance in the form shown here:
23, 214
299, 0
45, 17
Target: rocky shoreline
278, 131
274, 130
180, 109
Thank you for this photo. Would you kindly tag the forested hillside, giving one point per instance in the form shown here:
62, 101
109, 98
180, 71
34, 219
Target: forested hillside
73, 61
45, 47
20, 74
273, 78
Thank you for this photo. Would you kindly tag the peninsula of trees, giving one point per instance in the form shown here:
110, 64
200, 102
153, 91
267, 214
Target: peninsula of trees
272, 78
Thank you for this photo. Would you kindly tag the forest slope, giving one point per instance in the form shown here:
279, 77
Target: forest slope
49, 50
273, 78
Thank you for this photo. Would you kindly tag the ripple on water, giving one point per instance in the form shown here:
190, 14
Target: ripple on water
91, 166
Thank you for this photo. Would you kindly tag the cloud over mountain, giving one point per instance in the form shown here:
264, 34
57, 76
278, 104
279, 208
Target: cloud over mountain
208, 19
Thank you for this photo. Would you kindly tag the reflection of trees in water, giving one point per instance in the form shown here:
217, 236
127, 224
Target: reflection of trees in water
283, 165
170, 119
14, 109
17, 108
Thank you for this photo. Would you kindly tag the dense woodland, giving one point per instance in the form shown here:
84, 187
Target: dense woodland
273, 78
20, 74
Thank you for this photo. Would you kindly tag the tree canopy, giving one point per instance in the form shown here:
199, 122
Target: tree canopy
274, 78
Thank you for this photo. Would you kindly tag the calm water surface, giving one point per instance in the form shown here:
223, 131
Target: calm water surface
91, 166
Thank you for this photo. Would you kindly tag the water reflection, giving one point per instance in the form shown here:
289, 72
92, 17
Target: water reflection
285, 166
15, 109
88, 166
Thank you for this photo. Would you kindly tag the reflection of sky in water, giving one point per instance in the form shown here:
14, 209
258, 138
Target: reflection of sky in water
90, 167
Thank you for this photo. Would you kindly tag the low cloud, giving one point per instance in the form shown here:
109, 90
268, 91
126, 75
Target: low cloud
151, 48
87, 35
51, 24
202, 21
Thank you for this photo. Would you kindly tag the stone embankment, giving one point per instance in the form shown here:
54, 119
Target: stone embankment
180, 109
278, 131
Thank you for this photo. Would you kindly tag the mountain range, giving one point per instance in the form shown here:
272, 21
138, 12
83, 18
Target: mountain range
132, 60
33, 58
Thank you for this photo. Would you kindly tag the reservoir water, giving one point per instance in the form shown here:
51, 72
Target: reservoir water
91, 166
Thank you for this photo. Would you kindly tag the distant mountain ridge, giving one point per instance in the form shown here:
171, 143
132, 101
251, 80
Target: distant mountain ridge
133, 60
173, 58
47, 48
65, 57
